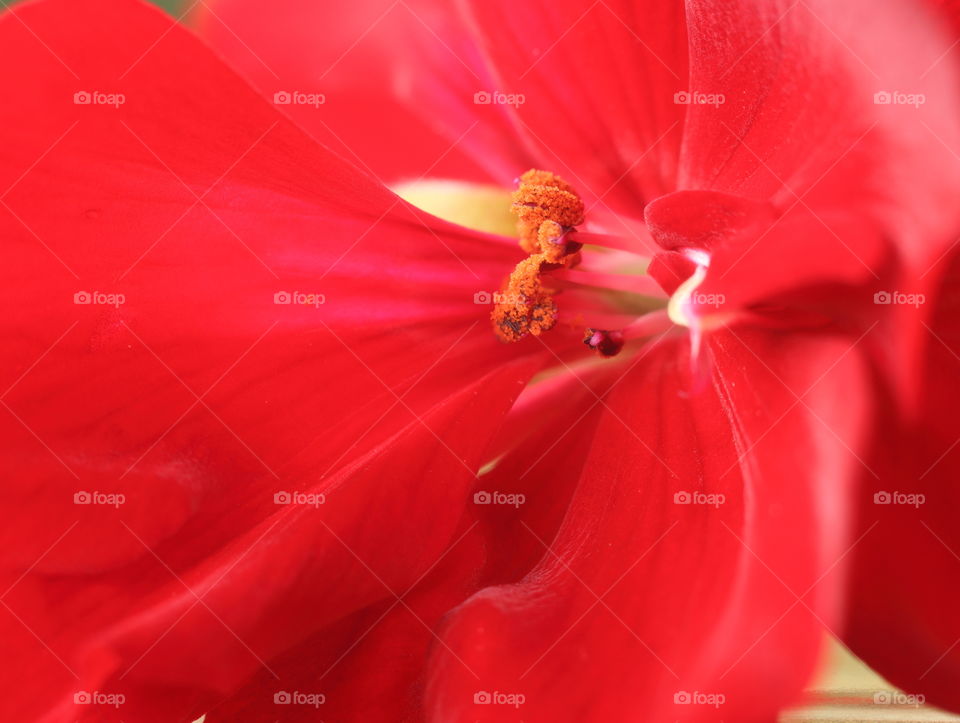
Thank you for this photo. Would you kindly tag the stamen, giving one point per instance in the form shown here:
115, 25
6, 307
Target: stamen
616, 308
553, 243
547, 209
543, 196
525, 306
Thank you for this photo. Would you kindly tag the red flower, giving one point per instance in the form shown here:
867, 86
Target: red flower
250, 389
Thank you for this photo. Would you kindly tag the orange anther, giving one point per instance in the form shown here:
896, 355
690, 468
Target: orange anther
547, 208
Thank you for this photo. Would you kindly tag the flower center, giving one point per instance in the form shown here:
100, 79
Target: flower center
549, 212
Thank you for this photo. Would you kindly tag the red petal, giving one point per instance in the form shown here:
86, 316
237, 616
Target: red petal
641, 599
811, 197
705, 219
800, 117
826, 263
369, 666
547, 439
598, 83
903, 619
398, 78
199, 397
951, 8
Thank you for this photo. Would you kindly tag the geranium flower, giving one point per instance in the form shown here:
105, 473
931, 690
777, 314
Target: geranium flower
283, 446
